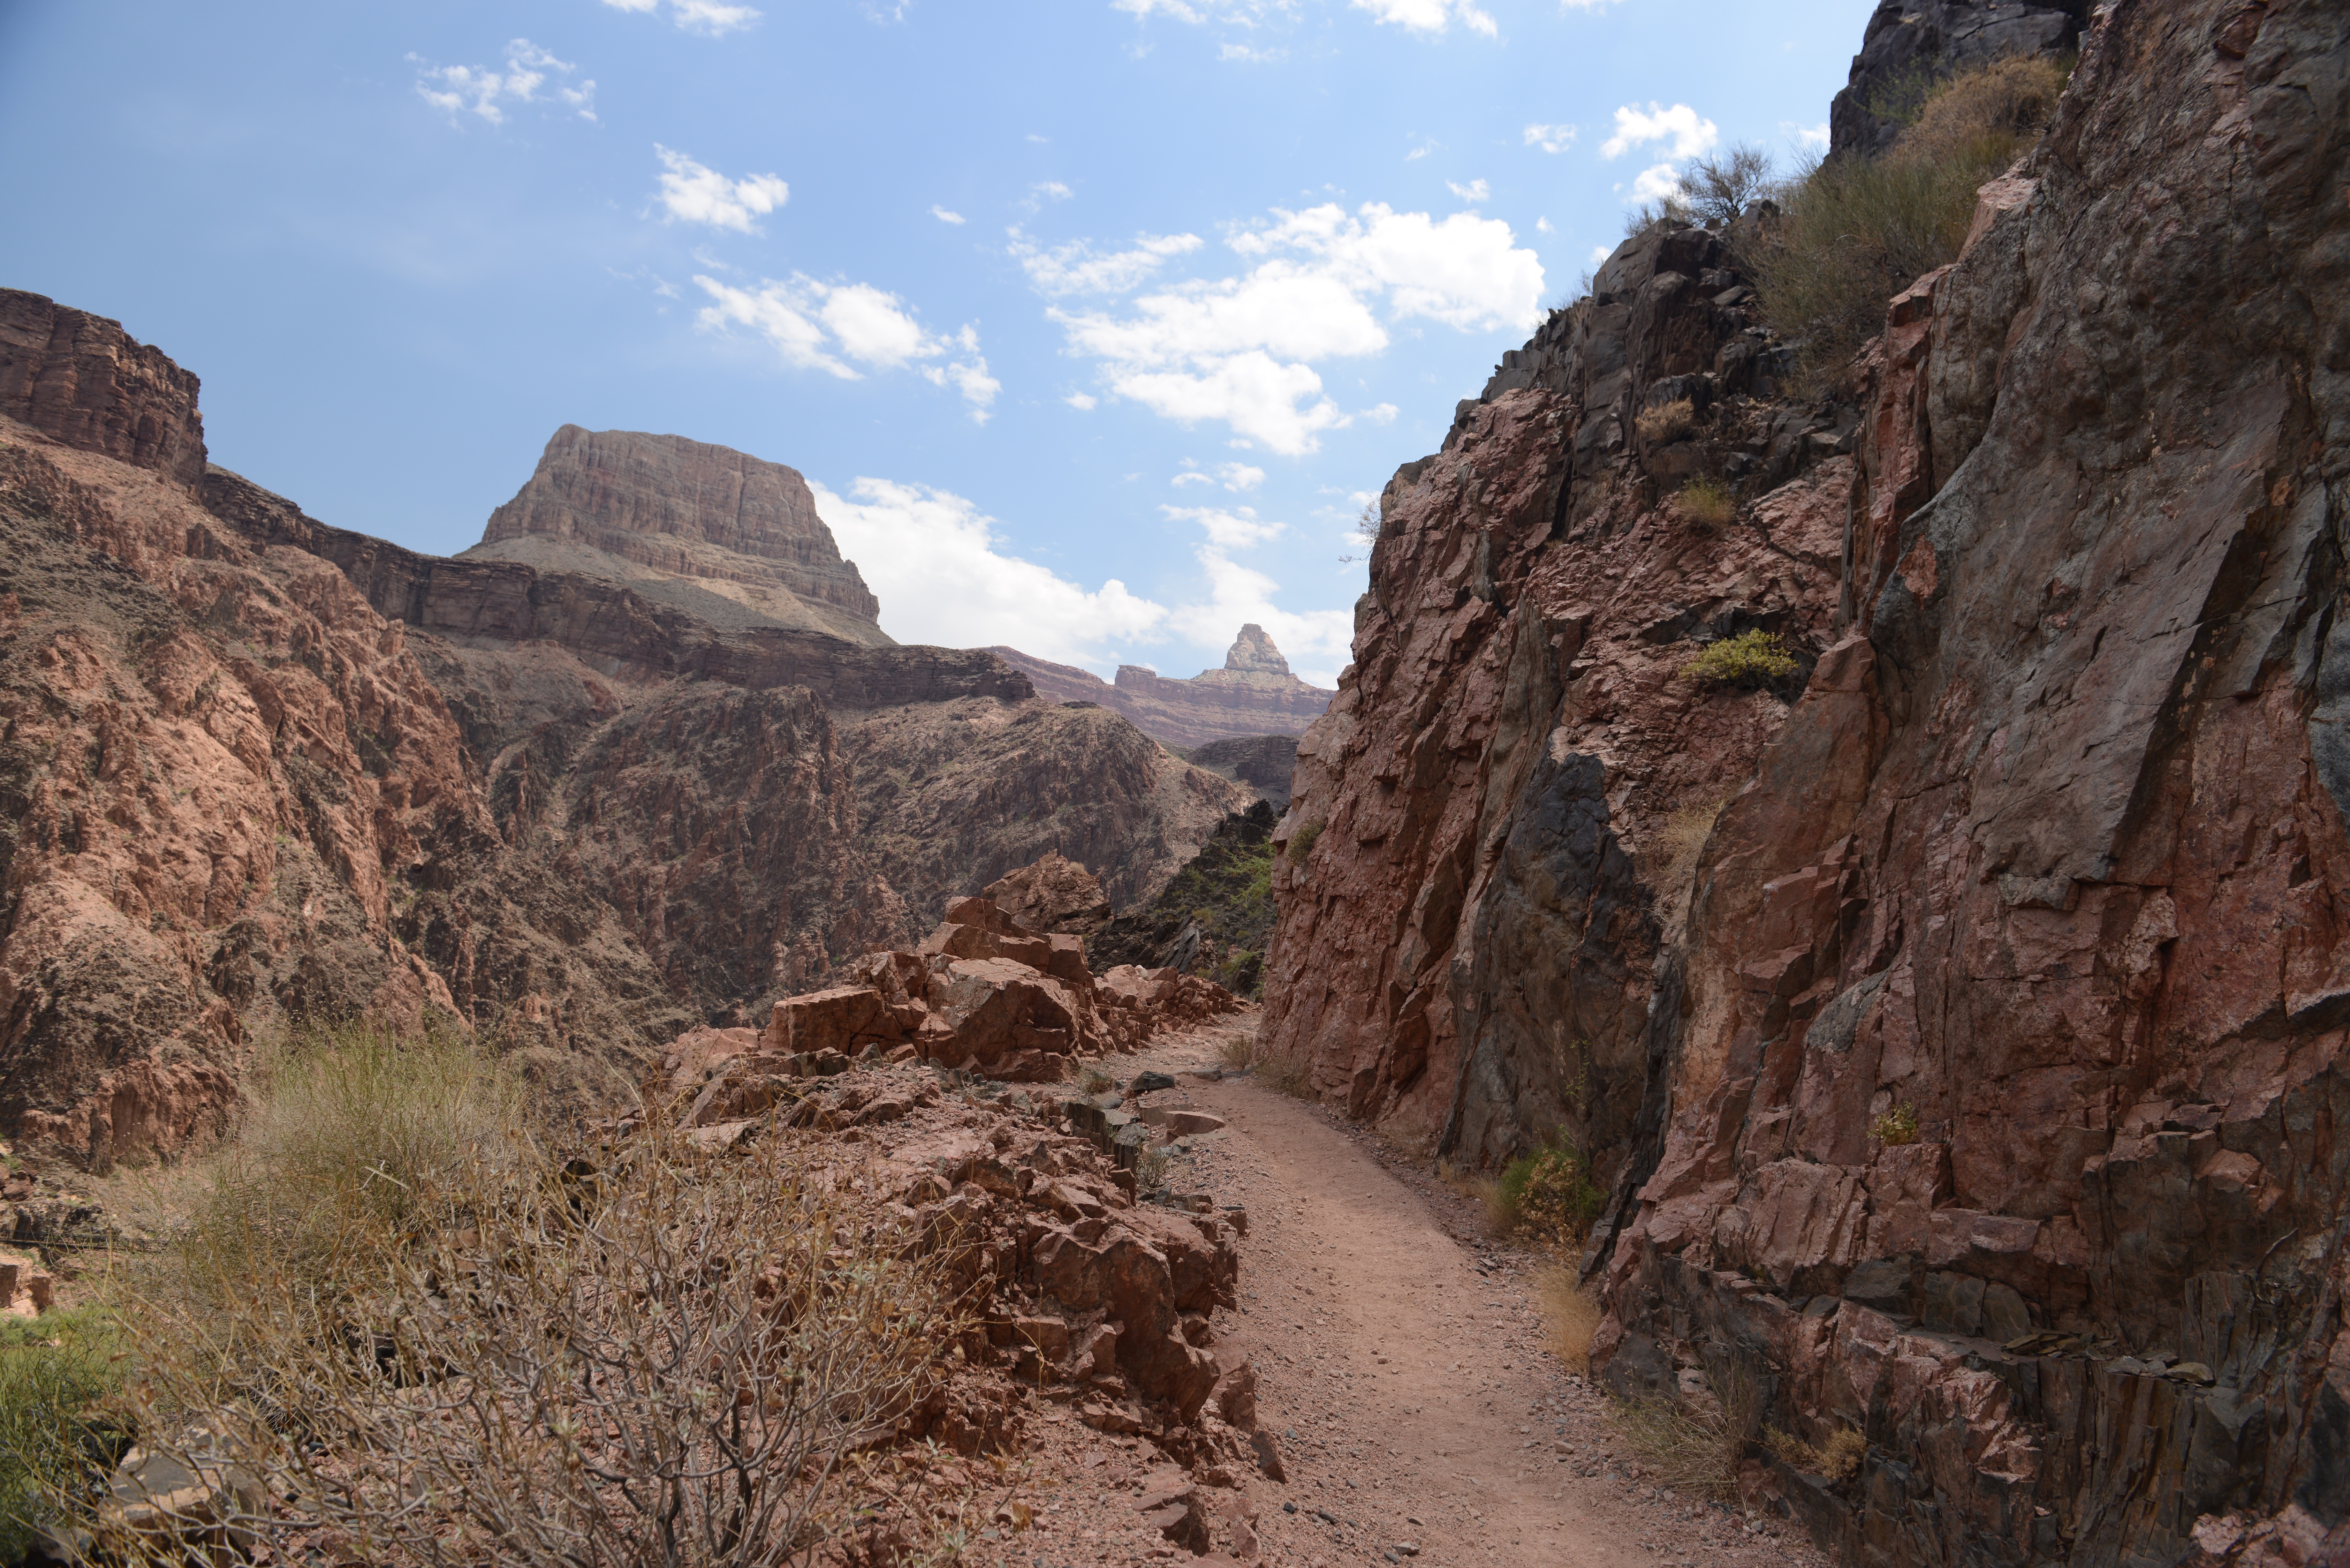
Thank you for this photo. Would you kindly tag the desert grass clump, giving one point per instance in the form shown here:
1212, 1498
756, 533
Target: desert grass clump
1750, 659
1837, 1460
1853, 232
1548, 1196
1300, 843
1661, 425
59, 1374
1572, 1314
1235, 1051
1705, 504
458, 1342
1287, 1074
1695, 1442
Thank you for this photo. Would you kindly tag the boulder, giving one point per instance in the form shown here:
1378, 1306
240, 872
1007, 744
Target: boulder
1054, 894
845, 1019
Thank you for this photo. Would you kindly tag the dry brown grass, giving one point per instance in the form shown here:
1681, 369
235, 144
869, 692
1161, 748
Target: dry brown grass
1665, 423
1290, 1075
1573, 1314
1236, 1052
1837, 1460
1501, 1215
1695, 1442
1673, 851
409, 1320
1706, 504
1855, 231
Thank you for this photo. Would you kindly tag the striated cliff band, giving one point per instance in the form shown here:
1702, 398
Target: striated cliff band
1254, 694
641, 761
1954, 1013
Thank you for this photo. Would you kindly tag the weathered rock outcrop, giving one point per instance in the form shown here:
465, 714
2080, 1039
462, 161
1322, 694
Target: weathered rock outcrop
1254, 694
1973, 1082
258, 773
1263, 763
1908, 46
736, 526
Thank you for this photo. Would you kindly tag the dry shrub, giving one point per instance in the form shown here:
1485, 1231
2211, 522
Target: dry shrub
1290, 1075
1235, 1053
1837, 1460
475, 1349
1694, 1443
1855, 232
1573, 1314
1678, 843
1661, 425
1896, 1127
1706, 504
1500, 1219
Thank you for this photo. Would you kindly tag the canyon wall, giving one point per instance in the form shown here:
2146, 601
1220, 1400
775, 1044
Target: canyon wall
1957, 1026
259, 774
1254, 694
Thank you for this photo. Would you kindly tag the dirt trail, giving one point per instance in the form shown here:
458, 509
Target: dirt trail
1403, 1368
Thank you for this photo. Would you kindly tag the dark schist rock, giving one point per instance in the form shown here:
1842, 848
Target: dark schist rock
1961, 1044
1911, 43
1263, 763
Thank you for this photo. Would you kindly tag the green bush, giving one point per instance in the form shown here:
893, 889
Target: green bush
1549, 1193
1855, 232
56, 1373
1300, 843
1750, 658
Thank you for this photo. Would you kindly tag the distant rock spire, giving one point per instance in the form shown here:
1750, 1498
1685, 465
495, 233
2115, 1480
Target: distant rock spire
1253, 653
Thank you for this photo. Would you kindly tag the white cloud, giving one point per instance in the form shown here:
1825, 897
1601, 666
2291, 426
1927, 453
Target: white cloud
822, 325
943, 216
1236, 528
1600, 254
1317, 643
1808, 137
1241, 350
484, 93
1225, 12
695, 194
1656, 182
1429, 15
1078, 268
1233, 476
937, 564
1551, 138
710, 18
1081, 402
1679, 125
1541, 226
1046, 191
1248, 54
1476, 192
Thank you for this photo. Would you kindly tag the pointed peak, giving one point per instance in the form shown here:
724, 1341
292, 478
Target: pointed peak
1252, 652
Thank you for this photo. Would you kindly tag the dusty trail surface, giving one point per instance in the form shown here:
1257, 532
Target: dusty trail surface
1403, 1371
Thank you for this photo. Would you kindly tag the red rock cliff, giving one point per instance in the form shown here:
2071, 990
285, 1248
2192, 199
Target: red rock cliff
1973, 1082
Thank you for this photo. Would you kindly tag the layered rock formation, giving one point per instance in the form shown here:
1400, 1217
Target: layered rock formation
1254, 694
260, 773
661, 509
1958, 1040
1263, 763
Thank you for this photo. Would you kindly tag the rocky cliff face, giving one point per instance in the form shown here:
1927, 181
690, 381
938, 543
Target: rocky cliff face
664, 510
1254, 694
1971, 1080
258, 772
1907, 45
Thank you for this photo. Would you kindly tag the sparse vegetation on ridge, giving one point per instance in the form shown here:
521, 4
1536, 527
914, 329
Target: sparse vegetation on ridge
1750, 659
1706, 504
1665, 423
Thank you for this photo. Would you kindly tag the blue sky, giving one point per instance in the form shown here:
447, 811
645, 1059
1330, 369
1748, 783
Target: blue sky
1093, 323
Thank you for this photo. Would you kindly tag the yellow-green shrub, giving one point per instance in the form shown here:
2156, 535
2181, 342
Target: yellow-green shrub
1750, 658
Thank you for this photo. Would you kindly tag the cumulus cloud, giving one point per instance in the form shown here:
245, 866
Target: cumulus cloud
818, 325
1656, 182
939, 566
1551, 138
1679, 125
1235, 476
1233, 528
1541, 226
1078, 268
1044, 191
1081, 402
1321, 284
1225, 12
1317, 643
530, 75
1808, 137
1476, 192
1429, 15
694, 195
710, 18
943, 216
